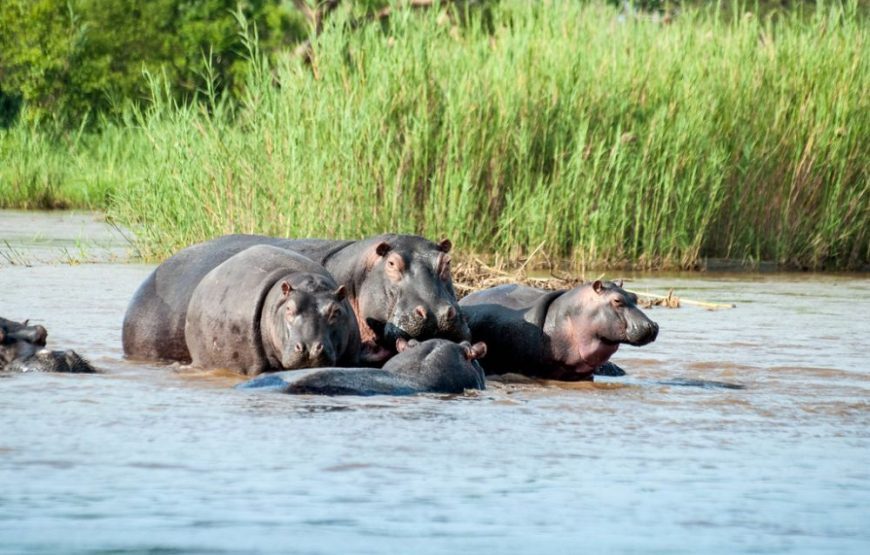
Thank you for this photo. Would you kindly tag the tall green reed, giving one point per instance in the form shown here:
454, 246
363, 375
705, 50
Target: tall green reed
557, 128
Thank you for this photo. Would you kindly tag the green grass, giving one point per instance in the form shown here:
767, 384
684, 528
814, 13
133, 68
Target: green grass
563, 130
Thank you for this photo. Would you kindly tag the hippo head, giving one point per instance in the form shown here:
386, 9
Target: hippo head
407, 292
587, 324
22, 349
440, 365
19, 341
309, 322
45, 360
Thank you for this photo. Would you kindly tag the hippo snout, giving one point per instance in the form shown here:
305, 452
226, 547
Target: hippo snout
641, 331
309, 355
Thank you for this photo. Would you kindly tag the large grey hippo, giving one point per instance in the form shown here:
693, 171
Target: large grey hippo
399, 286
432, 366
560, 335
266, 309
22, 349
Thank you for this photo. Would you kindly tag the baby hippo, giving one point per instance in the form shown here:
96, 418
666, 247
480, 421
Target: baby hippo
557, 335
269, 309
432, 366
22, 349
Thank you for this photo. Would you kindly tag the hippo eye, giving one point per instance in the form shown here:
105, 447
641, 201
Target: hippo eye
617, 302
333, 314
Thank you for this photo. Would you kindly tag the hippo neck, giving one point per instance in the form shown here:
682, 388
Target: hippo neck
346, 263
537, 315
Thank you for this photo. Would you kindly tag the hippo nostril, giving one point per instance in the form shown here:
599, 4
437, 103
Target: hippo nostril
316, 349
298, 348
420, 311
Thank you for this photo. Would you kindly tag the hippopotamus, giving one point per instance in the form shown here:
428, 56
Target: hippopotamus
559, 335
267, 309
22, 349
431, 366
399, 286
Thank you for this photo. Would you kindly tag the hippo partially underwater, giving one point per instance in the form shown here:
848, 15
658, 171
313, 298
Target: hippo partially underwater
22, 349
267, 308
559, 335
432, 366
399, 287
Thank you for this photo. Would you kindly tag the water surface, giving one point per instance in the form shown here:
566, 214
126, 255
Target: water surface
150, 459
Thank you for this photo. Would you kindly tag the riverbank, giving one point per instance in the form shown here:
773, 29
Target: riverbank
656, 146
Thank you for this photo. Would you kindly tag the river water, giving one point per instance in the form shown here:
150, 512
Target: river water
165, 460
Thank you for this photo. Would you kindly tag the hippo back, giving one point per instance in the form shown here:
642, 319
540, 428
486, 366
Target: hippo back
154, 322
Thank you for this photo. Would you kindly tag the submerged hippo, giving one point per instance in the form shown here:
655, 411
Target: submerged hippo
432, 366
267, 308
399, 286
22, 349
560, 335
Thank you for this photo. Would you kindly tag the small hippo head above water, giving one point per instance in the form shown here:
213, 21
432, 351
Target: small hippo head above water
404, 290
22, 349
439, 365
19, 341
586, 325
306, 327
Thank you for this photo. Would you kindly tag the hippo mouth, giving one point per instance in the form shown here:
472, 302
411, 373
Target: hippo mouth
642, 335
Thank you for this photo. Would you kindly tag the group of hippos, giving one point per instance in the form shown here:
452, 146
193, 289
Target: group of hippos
371, 316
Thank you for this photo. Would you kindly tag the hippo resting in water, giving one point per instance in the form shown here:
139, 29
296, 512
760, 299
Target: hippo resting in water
433, 366
399, 286
22, 349
559, 335
268, 308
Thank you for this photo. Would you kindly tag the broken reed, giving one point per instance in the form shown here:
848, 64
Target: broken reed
556, 126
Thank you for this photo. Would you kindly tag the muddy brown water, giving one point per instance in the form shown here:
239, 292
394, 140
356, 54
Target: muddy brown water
155, 459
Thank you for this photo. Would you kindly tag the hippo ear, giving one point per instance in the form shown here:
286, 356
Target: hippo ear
444, 267
405, 344
286, 288
445, 245
383, 248
40, 335
597, 286
340, 293
476, 351
618, 283
401, 345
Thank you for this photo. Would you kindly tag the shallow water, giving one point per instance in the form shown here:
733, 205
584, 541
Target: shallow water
146, 459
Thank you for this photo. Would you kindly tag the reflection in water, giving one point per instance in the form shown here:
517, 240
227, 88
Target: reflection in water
670, 459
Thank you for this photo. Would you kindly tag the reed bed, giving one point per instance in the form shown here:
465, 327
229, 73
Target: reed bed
592, 138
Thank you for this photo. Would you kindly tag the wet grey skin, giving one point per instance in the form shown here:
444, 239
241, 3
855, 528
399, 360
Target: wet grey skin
399, 286
558, 335
432, 366
22, 349
269, 309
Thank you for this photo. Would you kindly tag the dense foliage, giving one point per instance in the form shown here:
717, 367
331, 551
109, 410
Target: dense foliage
70, 59
568, 129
